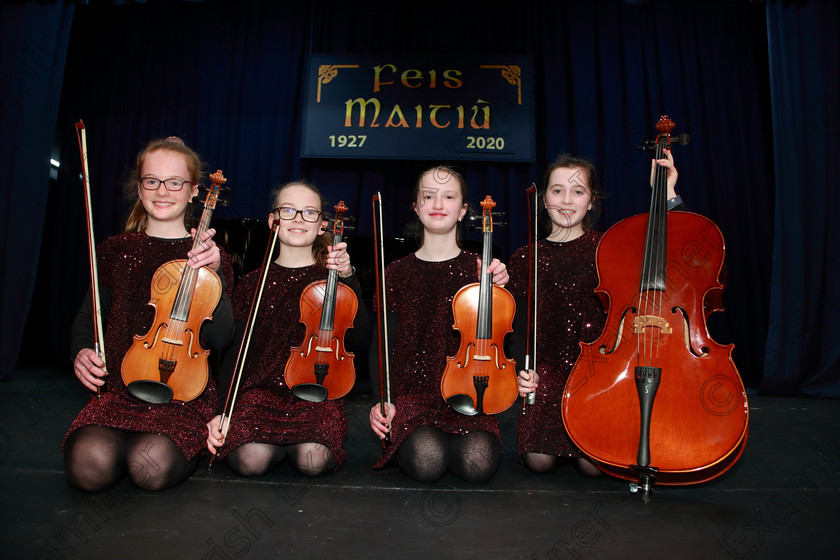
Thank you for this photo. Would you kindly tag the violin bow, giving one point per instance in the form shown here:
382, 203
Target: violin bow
381, 317
236, 378
531, 344
98, 336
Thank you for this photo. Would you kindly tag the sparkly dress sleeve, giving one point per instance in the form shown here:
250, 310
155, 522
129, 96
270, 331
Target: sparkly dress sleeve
421, 293
265, 410
568, 313
126, 265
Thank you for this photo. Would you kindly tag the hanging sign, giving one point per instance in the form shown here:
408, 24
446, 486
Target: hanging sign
433, 108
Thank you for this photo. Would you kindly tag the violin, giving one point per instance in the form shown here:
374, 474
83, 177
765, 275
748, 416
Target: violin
168, 362
655, 398
321, 368
479, 378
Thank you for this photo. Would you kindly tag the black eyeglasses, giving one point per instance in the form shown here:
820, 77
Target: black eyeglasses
173, 184
289, 213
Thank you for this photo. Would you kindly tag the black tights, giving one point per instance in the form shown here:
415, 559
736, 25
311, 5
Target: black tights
542, 463
96, 458
257, 459
428, 453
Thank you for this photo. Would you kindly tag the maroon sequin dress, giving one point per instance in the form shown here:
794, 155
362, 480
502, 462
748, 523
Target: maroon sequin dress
126, 265
569, 312
265, 410
420, 294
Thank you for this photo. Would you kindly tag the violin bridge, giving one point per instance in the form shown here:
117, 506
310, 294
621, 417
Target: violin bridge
642, 322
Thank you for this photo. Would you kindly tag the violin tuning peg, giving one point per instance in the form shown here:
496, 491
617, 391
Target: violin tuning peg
645, 145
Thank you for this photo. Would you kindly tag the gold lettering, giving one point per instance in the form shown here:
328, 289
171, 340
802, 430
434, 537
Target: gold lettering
485, 110
376, 80
348, 114
433, 115
411, 75
396, 112
450, 79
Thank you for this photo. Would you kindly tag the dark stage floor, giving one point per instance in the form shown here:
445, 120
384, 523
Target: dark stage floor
779, 501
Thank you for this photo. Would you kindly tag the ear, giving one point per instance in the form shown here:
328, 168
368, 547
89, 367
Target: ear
323, 229
463, 212
270, 220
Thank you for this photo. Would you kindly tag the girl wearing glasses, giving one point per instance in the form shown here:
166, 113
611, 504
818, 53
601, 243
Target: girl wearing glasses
269, 424
428, 438
157, 445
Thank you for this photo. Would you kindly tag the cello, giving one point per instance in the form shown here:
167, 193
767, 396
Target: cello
479, 378
321, 368
168, 362
655, 398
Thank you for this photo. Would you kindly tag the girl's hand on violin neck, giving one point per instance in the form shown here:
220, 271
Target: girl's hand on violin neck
88, 368
379, 423
215, 439
528, 382
339, 259
668, 163
206, 252
499, 271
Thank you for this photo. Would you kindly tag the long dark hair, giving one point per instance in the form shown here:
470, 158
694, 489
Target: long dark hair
568, 161
437, 171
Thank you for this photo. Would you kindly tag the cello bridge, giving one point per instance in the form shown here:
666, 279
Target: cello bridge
642, 322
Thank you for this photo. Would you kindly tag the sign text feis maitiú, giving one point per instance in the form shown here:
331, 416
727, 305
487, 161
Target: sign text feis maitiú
444, 109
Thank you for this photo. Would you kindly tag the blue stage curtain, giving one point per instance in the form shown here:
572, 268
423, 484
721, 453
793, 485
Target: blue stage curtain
228, 77
33, 47
803, 353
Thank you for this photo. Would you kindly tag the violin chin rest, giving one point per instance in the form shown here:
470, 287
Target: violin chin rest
153, 392
312, 392
463, 404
